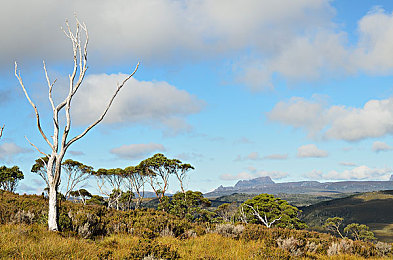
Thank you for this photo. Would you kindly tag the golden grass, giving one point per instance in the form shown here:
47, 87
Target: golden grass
382, 231
374, 196
35, 242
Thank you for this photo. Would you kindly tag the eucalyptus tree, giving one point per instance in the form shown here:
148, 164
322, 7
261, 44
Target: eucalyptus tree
270, 211
76, 173
114, 178
10, 177
136, 178
83, 194
61, 141
159, 168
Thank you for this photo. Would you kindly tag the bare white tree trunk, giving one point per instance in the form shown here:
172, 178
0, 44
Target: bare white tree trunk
263, 220
60, 143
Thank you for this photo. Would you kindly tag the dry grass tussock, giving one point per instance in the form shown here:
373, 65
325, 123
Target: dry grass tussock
34, 242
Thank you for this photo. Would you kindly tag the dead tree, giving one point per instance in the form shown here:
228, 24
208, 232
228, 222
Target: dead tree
61, 142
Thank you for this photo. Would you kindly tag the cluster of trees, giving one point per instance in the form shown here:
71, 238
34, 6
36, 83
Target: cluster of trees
10, 177
121, 187
355, 231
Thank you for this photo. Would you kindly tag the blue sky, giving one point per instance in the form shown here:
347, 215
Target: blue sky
297, 90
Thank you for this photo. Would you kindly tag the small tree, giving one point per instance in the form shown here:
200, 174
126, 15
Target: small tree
76, 173
159, 168
61, 141
359, 232
227, 211
40, 168
83, 194
113, 178
181, 173
190, 205
269, 211
10, 177
333, 225
136, 178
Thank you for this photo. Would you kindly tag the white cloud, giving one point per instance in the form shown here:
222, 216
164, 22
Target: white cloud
255, 174
381, 147
314, 175
360, 173
9, 150
374, 119
139, 102
137, 151
162, 30
276, 156
310, 150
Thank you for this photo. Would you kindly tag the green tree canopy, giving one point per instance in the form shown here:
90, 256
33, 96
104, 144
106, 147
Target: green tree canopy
334, 225
10, 177
190, 205
159, 168
269, 210
359, 232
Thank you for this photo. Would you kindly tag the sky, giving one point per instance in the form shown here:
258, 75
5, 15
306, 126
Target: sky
291, 89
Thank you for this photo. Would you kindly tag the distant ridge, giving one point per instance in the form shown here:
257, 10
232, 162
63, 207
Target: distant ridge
266, 180
267, 185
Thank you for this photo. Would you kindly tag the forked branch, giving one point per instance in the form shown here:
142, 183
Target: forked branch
263, 220
17, 74
105, 111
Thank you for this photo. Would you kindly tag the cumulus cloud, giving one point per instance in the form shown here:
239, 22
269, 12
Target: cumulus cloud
159, 30
140, 102
381, 147
360, 173
374, 119
310, 150
136, 151
326, 52
357, 173
9, 150
303, 41
314, 175
276, 175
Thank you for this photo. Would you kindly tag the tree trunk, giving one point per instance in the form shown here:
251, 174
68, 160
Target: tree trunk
53, 208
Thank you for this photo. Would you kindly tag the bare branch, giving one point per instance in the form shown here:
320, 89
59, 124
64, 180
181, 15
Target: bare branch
36, 147
263, 220
32, 104
1, 130
50, 85
105, 111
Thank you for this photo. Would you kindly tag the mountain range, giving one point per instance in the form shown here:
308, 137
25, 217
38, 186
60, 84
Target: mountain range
267, 185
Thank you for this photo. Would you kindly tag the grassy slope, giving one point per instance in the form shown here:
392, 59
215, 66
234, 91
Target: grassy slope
34, 242
374, 209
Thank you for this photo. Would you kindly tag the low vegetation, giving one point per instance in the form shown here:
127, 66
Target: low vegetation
99, 232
